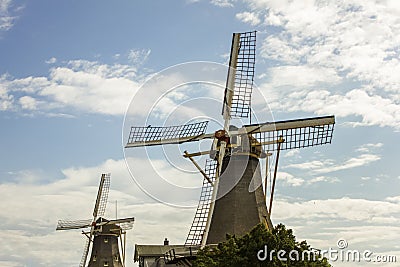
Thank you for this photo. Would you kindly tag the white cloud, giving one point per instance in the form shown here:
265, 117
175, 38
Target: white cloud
314, 164
51, 60
249, 17
116, 56
323, 179
359, 161
344, 208
350, 44
178, 94
365, 224
91, 92
192, 1
327, 166
366, 148
72, 197
85, 86
292, 153
395, 199
6, 19
80, 85
289, 179
6, 100
138, 57
301, 76
28, 102
275, 48
222, 3
372, 109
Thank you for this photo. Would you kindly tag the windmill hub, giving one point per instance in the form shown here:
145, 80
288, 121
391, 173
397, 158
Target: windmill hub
243, 144
220, 135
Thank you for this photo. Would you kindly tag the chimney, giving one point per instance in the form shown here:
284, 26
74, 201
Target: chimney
166, 242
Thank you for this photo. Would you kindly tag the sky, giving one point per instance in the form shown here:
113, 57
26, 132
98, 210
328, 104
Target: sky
71, 70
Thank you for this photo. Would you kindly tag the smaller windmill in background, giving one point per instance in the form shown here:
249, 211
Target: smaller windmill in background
105, 238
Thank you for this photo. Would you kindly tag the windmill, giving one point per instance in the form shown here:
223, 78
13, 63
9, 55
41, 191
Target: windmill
232, 198
105, 237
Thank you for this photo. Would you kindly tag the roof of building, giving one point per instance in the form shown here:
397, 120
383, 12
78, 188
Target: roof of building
153, 250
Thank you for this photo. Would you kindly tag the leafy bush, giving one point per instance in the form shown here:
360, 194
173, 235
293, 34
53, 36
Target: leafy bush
242, 251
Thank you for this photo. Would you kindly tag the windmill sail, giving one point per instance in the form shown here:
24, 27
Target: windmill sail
85, 252
76, 224
150, 135
102, 196
294, 133
196, 231
242, 62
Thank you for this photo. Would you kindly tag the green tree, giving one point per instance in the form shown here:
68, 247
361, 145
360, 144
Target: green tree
243, 251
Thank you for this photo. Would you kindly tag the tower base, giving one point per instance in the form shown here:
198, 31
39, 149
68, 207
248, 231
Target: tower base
240, 203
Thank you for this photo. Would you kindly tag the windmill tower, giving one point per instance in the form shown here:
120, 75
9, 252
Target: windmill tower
232, 200
105, 237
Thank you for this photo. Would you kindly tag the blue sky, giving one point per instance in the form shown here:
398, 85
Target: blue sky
69, 70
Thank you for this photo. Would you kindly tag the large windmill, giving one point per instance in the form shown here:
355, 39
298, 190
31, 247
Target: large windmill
232, 198
105, 237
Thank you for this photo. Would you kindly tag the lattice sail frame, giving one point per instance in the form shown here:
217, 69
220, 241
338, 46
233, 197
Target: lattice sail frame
295, 134
168, 134
75, 224
82, 263
199, 223
104, 189
244, 76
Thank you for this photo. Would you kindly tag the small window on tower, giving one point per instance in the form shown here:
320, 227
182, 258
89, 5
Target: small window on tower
116, 258
106, 263
105, 240
94, 258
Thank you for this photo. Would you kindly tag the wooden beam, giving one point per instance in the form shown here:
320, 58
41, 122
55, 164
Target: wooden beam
274, 179
198, 167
